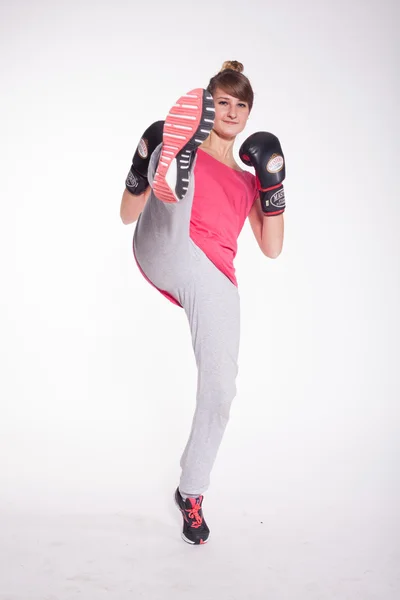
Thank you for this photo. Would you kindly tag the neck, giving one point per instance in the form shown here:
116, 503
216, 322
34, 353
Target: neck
219, 146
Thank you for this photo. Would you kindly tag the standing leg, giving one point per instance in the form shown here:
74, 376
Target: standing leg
212, 306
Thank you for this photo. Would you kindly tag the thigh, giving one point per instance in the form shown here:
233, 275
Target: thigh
162, 243
212, 305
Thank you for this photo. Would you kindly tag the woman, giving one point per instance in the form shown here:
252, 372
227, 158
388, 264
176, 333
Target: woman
185, 241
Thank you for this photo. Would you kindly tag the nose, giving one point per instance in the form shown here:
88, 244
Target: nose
232, 112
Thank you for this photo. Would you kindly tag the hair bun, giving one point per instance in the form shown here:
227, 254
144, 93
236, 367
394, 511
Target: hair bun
232, 65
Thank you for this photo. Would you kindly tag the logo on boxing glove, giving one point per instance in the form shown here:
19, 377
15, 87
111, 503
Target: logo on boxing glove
132, 181
275, 163
143, 148
278, 199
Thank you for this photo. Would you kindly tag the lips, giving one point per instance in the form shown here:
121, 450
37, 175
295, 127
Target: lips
231, 122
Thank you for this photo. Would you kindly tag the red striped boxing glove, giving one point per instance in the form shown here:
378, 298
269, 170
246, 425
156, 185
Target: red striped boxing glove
262, 150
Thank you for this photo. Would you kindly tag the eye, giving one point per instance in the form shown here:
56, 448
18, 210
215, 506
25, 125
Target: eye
222, 102
242, 104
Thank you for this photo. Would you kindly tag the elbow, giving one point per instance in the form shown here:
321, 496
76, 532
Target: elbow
270, 253
125, 220
132, 206
128, 216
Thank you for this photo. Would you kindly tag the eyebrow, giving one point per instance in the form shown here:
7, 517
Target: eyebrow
226, 98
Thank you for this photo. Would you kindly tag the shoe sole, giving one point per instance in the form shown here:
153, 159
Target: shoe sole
188, 124
185, 539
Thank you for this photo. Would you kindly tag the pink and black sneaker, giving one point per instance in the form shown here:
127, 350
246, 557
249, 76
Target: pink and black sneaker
195, 529
187, 125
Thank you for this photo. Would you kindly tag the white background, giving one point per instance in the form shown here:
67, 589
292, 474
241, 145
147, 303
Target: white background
98, 379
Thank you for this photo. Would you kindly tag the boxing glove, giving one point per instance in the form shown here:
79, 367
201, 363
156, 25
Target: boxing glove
263, 151
136, 181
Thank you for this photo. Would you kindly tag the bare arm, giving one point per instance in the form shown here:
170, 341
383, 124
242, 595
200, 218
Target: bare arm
132, 206
268, 231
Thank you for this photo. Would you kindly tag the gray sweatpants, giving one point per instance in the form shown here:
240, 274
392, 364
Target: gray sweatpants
173, 262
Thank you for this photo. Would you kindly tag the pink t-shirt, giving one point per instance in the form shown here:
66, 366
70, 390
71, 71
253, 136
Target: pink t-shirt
222, 200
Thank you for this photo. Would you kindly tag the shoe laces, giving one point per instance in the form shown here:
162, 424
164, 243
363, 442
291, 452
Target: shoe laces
193, 513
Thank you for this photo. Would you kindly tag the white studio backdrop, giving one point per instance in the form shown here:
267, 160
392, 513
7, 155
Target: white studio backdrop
98, 379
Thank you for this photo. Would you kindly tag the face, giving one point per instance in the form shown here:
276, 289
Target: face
231, 114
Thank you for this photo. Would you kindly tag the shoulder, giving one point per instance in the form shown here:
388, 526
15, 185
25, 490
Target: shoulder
251, 181
250, 176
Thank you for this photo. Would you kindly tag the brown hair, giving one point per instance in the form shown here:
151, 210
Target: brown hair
233, 82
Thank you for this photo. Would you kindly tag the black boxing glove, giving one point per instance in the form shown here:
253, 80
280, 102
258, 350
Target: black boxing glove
137, 181
263, 151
